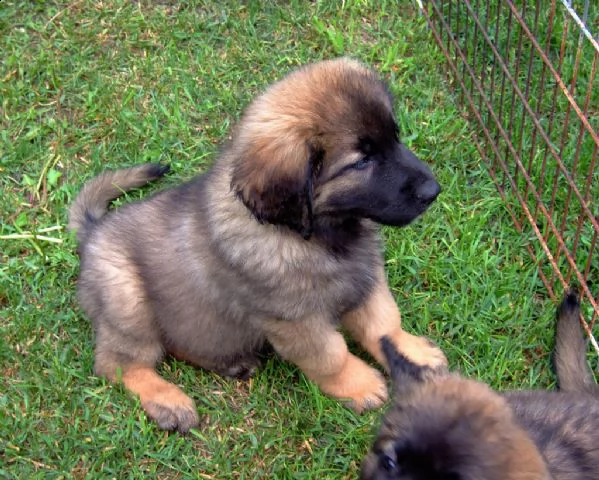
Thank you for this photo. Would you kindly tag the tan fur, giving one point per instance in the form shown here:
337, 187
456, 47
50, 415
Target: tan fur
161, 399
321, 352
493, 423
378, 317
277, 242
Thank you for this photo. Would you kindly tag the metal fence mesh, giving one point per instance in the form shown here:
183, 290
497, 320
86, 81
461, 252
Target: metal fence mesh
526, 73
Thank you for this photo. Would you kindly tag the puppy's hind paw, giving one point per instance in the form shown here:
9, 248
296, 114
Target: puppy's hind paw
180, 417
164, 402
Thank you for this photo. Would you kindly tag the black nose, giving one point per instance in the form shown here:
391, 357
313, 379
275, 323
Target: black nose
428, 191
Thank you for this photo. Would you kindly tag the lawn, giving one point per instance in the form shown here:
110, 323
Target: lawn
89, 85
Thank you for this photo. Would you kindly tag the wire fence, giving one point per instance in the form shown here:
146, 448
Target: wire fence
526, 73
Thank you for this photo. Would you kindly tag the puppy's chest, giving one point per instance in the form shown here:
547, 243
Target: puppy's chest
280, 274
330, 286
341, 287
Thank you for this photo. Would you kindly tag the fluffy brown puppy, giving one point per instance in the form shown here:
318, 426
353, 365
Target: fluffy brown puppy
276, 243
444, 427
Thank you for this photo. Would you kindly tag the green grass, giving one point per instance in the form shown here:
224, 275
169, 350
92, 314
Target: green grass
89, 85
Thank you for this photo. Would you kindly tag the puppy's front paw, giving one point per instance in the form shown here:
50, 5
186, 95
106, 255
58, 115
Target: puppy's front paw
360, 385
419, 350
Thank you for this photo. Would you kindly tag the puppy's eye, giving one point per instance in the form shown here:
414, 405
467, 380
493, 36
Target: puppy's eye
362, 163
388, 464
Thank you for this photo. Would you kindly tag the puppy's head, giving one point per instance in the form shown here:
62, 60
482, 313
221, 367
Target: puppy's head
323, 142
444, 427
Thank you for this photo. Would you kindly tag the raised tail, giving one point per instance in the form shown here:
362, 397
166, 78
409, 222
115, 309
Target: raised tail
573, 372
92, 202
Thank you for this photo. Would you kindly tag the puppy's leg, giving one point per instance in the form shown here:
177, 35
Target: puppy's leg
164, 402
380, 316
128, 342
130, 358
316, 347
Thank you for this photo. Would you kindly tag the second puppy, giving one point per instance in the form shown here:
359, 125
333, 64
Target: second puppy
442, 426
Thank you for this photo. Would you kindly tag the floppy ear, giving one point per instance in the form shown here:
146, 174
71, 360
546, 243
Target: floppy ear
400, 368
405, 373
275, 182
